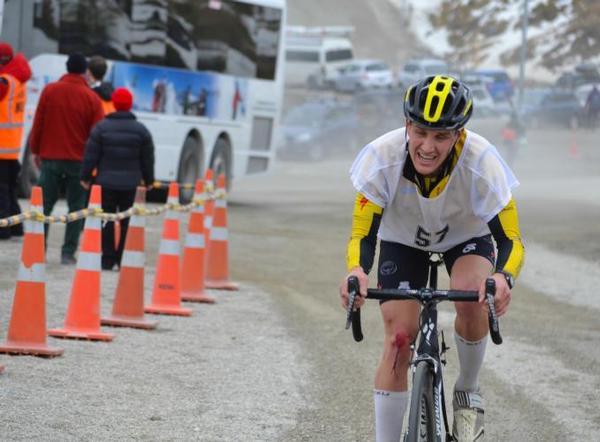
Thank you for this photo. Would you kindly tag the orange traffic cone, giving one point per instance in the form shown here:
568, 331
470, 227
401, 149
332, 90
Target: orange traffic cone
128, 306
209, 203
217, 272
83, 314
193, 265
27, 328
166, 294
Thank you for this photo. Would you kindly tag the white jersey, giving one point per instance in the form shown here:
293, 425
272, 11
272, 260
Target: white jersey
478, 188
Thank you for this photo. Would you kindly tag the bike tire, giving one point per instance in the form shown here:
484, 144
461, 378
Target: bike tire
421, 417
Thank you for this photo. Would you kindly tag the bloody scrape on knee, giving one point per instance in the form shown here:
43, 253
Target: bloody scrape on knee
401, 339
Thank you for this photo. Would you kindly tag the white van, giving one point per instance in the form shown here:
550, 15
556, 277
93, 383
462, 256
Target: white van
314, 55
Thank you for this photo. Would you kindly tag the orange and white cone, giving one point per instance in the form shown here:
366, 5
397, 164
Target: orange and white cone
209, 204
193, 264
217, 270
166, 294
27, 328
83, 314
128, 306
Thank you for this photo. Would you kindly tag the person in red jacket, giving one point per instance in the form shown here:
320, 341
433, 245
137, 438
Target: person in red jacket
65, 115
14, 73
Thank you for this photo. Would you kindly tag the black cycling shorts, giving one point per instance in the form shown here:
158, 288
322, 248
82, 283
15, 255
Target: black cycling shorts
401, 264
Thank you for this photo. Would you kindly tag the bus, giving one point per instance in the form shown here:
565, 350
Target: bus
207, 75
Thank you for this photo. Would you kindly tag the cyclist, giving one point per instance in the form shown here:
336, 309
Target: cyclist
433, 186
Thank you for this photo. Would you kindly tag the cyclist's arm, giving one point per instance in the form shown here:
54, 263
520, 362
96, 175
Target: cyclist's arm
505, 230
366, 218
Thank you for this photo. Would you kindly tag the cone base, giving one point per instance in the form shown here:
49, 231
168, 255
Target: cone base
157, 309
126, 321
221, 285
41, 350
197, 297
79, 334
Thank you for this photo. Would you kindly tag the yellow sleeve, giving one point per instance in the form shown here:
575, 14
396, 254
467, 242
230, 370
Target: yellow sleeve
505, 230
366, 217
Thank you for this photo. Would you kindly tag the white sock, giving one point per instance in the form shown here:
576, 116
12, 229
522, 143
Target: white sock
470, 357
389, 414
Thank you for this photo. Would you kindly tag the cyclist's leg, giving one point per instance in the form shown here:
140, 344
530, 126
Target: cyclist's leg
469, 263
398, 264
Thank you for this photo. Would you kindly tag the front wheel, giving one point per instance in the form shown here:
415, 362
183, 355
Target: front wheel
421, 418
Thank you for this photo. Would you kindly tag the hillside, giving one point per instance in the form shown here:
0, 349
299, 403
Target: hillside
381, 29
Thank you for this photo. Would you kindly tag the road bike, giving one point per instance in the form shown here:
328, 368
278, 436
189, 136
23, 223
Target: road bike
427, 418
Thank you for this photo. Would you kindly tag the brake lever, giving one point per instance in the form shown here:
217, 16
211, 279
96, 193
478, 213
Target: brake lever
490, 292
353, 316
353, 288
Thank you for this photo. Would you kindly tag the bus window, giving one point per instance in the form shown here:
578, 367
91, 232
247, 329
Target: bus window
338, 55
229, 37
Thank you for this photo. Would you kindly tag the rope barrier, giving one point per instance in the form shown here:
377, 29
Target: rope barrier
98, 213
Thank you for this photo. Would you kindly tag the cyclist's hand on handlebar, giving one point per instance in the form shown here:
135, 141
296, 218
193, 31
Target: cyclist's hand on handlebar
503, 294
363, 282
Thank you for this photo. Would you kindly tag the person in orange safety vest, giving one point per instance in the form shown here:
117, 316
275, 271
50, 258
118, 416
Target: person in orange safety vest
14, 73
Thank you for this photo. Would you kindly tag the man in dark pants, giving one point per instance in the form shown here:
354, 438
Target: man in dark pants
66, 113
14, 72
122, 151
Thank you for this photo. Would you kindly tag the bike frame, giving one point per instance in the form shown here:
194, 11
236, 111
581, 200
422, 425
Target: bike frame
428, 348
428, 351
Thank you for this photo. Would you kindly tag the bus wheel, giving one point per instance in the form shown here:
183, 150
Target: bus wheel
221, 162
189, 169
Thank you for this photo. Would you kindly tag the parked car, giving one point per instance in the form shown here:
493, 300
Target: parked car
497, 82
483, 103
582, 92
414, 70
558, 107
532, 98
315, 129
363, 74
582, 74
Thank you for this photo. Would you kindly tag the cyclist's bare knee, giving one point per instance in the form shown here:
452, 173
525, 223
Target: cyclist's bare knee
400, 319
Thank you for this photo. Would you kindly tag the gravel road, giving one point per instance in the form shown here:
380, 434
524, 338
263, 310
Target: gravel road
272, 361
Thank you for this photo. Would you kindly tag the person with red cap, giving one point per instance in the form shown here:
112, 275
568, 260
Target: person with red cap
122, 151
14, 73
64, 117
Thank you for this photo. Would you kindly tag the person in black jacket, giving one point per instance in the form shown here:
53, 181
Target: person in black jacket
122, 151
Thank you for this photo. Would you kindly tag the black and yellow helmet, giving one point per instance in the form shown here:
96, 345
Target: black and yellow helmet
438, 102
